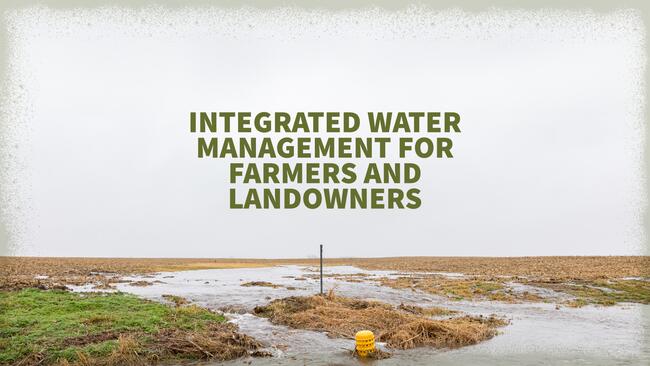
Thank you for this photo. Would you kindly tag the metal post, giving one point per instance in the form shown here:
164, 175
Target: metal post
321, 269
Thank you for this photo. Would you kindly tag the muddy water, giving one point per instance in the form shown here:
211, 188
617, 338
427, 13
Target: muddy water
539, 334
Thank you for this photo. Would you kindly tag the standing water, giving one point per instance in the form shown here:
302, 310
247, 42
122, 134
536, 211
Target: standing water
538, 333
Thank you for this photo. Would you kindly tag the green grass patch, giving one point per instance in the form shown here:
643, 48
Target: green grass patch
603, 292
57, 325
611, 292
627, 290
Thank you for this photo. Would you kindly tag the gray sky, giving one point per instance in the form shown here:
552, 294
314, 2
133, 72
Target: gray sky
548, 163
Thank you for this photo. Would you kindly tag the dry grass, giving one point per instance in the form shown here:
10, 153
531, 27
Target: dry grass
126, 352
176, 300
429, 311
220, 342
343, 317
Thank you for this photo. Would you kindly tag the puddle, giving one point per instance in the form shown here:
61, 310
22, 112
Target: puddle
538, 334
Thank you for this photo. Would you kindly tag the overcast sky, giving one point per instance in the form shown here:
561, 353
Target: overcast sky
548, 161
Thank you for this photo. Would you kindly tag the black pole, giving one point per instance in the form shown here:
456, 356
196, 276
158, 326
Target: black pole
321, 269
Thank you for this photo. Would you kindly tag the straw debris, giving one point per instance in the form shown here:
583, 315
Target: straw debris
219, 342
141, 283
260, 284
342, 317
267, 284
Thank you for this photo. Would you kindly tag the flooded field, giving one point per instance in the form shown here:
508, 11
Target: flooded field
539, 332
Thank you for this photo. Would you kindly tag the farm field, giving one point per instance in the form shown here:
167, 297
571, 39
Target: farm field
447, 310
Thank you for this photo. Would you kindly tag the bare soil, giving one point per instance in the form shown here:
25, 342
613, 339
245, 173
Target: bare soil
577, 276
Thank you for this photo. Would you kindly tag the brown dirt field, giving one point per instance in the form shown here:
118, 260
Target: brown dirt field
399, 328
19, 272
561, 268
